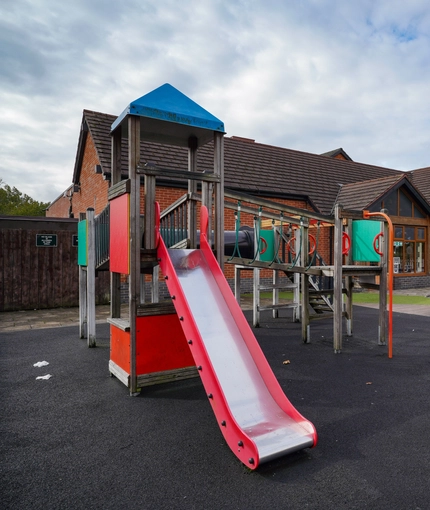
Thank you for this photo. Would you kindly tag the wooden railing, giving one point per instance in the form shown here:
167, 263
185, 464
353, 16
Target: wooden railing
174, 221
101, 223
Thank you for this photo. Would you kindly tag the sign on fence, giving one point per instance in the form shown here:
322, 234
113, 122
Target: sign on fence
46, 240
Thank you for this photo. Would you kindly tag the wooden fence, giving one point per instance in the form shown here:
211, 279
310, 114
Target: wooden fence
38, 264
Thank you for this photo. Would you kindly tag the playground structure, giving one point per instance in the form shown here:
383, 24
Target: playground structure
355, 241
167, 340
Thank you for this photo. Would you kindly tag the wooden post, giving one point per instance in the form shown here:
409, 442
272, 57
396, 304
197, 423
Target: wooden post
256, 298
219, 198
91, 279
275, 293
155, 287
82, 301
192, 189
296, 298
149, 220
82, 294
349, 284
237, 283
134, 236
115, 278
207, 190
303, 238
337, 281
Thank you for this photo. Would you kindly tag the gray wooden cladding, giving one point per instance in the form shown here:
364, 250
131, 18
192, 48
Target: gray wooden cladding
118, 189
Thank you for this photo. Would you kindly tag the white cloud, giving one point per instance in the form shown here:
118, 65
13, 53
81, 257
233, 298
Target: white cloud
312, 75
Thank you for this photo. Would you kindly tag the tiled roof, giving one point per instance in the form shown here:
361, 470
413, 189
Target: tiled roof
257, 168
421, 179
337, 152
360, 195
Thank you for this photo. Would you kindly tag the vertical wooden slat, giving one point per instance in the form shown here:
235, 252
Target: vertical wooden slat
91, 284
207, 190
304, 261
337, 281
55, 269
8, 269
2, 269
149, 237
134, 236
27, 266
219, 198
256, 298
192, 188
16, 262
35, 283
43, 275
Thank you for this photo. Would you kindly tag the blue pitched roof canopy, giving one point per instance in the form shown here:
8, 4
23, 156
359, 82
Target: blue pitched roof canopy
169, 116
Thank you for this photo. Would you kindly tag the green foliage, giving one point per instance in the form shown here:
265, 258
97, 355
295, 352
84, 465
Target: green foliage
15, 203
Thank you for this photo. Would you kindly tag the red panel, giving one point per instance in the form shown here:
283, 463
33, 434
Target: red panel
161, 344
120, 348
119, 235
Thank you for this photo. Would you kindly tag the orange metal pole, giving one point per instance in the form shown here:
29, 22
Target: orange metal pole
366, 215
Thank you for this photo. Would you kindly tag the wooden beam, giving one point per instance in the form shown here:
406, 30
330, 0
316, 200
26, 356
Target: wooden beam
192, 205
337, 281
219, 198
116, 156
171, 173
313, 270
135, 239
304, 280
244, 197
118, 189
91, 278
265, 214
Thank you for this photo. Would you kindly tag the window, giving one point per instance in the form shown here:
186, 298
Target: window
405, 205
409, 249
399, 203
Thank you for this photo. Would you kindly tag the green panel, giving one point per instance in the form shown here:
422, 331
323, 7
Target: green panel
269, 237
82, 243
363, 235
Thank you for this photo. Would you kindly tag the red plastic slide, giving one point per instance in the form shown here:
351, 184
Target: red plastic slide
257, 420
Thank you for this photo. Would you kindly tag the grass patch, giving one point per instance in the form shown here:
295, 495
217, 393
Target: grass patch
365, 297
373, 297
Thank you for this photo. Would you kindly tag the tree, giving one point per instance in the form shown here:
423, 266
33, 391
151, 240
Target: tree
15, 203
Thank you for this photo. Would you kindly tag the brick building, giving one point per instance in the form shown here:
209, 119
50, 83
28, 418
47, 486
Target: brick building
307, 181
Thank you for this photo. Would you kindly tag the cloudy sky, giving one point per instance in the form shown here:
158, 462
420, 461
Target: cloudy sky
310, 75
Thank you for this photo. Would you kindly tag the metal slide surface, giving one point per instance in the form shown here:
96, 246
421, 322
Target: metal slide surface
256, 418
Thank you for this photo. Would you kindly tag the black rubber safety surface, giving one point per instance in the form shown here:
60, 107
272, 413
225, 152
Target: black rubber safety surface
79, 441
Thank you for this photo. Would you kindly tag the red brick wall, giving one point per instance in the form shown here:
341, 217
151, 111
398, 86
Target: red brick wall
59, 208
93, 190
